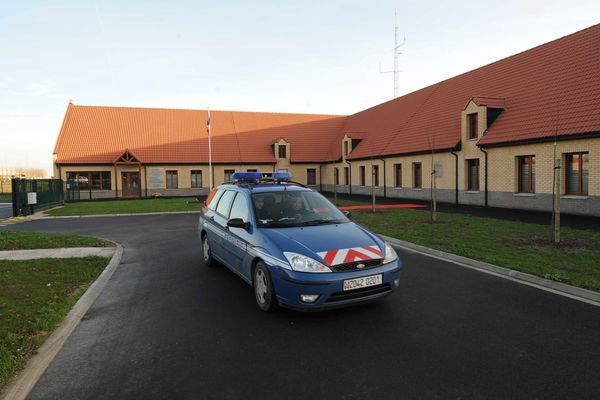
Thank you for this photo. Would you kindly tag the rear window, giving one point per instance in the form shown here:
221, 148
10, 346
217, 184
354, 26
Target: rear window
213, 198
239, 209
225, 202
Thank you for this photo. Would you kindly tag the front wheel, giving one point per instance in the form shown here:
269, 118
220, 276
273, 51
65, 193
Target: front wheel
207, 258
263, 288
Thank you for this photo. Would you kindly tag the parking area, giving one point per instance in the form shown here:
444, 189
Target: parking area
165, 327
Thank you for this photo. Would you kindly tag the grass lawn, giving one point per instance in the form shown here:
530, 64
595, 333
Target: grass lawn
128, 206
37, 240
6, 197
36, 295
516, 245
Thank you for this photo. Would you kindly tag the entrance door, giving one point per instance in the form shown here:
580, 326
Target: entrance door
130, 184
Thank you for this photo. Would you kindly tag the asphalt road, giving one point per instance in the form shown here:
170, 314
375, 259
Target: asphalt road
5, 210
164, 327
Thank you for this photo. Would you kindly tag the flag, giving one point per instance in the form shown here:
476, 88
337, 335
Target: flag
208, 123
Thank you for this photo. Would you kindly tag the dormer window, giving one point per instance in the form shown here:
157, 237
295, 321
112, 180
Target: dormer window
345, 147
282, 151
472, 126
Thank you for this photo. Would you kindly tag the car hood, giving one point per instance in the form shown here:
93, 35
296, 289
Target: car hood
312, 240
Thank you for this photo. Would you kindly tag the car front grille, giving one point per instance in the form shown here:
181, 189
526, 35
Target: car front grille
358, 293
353, 266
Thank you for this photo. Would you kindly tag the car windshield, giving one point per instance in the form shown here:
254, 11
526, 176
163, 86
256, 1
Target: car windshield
294, 208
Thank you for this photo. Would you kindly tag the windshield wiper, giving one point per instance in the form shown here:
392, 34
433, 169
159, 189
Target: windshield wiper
319, 222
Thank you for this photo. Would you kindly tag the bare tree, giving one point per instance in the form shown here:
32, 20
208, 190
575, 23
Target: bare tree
556, 183
372, 186
433, 186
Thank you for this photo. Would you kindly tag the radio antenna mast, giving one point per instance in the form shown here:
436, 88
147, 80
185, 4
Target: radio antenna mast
397, 45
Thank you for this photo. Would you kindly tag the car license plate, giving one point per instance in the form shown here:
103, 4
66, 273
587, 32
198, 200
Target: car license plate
365, 281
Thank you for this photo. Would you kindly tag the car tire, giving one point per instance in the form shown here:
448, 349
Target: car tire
263, 288
207, 258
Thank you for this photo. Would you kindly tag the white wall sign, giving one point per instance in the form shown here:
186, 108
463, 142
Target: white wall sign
439, 170
32, 198
156, 178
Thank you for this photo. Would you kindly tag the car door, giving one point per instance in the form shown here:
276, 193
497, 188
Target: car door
219, 219
210, 226
238, 238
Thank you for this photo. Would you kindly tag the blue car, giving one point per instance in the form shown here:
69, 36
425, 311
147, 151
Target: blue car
294, 247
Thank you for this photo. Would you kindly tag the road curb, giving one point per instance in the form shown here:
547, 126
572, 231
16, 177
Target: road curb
61, 252
584, 295
41, 217
20, 387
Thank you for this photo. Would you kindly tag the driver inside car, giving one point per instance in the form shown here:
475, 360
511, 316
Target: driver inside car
259, 206
296, 208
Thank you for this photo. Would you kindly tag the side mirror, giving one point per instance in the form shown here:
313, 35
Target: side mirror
238, 223
346, 213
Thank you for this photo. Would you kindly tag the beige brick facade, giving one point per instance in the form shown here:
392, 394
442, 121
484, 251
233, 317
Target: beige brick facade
451, 172
503, 164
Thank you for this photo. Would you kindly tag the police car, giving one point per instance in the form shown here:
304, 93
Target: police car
293, 246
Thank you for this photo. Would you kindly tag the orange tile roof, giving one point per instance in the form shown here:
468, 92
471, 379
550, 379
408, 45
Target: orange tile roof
552, 89
557, 80
92, 134
490, 102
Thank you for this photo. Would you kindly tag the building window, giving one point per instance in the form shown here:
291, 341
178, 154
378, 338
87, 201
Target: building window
172, 182
252, 170
94, 180
346, 176
376, 175
196, 178
472, 126
362, 175
473, 174
397, 175
577, 173
526, 174
282, 151
336, 176
227, 175
311, 176
105, 181
345, 147
417, 175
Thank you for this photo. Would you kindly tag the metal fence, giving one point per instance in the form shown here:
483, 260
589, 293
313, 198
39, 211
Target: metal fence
30, 195
73, 193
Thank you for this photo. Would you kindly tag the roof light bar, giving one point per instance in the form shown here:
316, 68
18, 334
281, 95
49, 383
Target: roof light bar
246, 176
261, 176
282, 176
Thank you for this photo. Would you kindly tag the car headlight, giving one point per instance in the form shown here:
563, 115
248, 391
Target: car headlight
301, 263
390, 254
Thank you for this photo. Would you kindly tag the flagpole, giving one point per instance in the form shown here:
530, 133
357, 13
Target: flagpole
210, 177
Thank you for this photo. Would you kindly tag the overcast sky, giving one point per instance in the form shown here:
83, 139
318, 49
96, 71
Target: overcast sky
293, 56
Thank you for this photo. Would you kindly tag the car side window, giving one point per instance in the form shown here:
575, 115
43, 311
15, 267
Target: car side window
212, 204
225, 202
239, 209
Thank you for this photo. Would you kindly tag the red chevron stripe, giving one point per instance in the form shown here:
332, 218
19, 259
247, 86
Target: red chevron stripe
330, 256
353, 254
373, 249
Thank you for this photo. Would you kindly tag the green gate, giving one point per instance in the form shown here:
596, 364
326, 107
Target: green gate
48, 192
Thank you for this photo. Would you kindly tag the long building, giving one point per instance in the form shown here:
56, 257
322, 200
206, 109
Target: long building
491, 136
